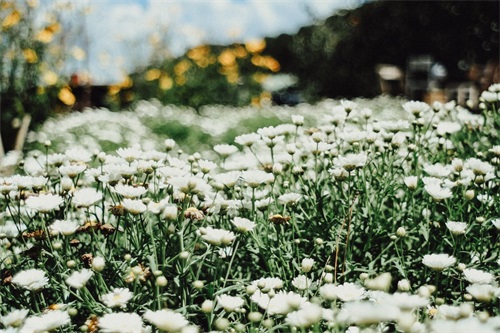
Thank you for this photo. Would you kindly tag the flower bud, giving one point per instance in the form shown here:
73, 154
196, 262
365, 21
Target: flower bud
161, 281
403, 285
207, 306
98, 264
401, 232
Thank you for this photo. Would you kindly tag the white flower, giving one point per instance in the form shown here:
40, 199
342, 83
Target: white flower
437, 170
230, 303
166, 320
307, 264
456, 228
247, 139
120, 322
128, 191
302, 282
78, 280
44, 203
411, 182
297, 120
437, 192
225, 150
281, 304
118, 298
478, 167
63, 227
243, 225
268, 283
86, 197
345, 292
134, 206
438, 262
48, 321
367, 313
31, 279
464, 325
482, 292
72, 170
289, 198
348, 105
98, 264
308, 315
206, 166
478, 276
351, 161
78, 155
416, 107
496, 223
256, 177
217, 237
14, 318
130, 154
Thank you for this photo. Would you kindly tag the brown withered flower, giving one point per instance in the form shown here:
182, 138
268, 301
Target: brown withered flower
194, 213
279, 219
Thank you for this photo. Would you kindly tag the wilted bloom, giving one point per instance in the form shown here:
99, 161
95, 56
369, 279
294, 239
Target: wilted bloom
456, 228
478, 276
44, 203
121, 322
243, 225
78, 280
217, 237
438, 262
118, 298
31, 279
166, 320
230, 303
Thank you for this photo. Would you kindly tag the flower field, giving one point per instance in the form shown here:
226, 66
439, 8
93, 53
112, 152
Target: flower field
346, 216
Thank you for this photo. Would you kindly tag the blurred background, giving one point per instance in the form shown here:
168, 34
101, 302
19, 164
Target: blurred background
63, 56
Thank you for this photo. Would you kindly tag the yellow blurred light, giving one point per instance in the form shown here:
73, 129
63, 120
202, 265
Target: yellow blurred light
180, 80
152, 74
127, 83
40, 90
78, 53
30, 56
181, 67
240, 52
255, 46
11, 20
271, 63
198, 52
33, 3
233, 78
227, 58
113, 90
165, 82
50, 78
44, 36
259, 77
66, 96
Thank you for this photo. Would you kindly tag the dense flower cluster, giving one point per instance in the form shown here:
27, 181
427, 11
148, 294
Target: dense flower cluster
347, 220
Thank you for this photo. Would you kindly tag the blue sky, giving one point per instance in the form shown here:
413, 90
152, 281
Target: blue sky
120, 31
